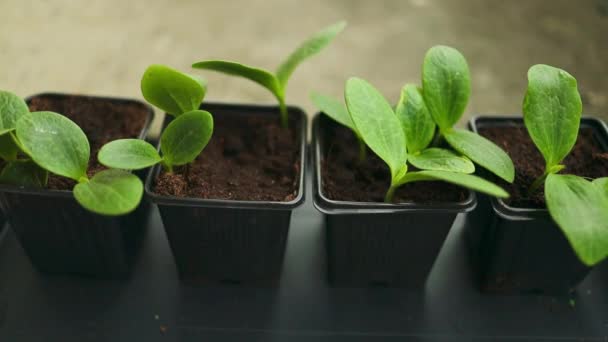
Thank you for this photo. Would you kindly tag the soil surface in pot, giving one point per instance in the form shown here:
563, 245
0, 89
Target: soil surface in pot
587, 159
344, 180
102, 120
249, 158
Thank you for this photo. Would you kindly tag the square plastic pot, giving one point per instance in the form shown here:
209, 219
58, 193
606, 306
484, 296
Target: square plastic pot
380, 244
229, 241
60, 237
522, 250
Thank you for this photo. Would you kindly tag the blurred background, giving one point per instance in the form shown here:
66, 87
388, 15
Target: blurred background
102, 47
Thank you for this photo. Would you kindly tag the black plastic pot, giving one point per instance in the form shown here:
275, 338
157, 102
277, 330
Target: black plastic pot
61, 237
521, 250
380, 244
225, 240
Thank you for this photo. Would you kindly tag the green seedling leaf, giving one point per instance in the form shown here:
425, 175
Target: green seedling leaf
55, 143
482, 151
172, 91
334, 109
441, 160
602, 183
377, 123
8, 147
468, 181
580, 209
110, 192
552, 111
446, 85
24, 173
309, 48
12, 107
186, 137
128, 154
416, 121
259, 76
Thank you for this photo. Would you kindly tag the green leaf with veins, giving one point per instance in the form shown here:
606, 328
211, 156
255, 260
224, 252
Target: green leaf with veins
552, 112
8, 147
446, 85
128, 154
172, 91
441, 160
482, 151
55, 143
334, 109
186, 137
416, 121
465, 180
12, 107
110, 192
377, 123
24, 173
309, 48
580, 208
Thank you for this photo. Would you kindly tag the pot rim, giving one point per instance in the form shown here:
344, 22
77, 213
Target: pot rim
294, 111
334, 207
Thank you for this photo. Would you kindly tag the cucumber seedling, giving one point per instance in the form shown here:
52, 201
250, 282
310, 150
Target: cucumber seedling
34, 144
276, 82
552, 112
379, 127
184, 138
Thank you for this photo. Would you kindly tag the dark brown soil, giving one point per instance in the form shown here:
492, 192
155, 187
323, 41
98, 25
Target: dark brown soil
101, 120
587, 159
248, 158
344, 180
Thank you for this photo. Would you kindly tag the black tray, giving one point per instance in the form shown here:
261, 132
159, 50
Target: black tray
152, 305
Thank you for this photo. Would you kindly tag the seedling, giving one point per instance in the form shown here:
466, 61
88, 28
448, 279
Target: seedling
446, 87
552, 112
184, 138
276, 82
34, 144
379, 127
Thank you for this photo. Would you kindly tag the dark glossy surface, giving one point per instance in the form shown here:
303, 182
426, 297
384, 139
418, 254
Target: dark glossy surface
302, 308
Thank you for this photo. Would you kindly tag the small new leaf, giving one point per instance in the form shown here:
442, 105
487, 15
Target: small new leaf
110, 192
186, 137
580, 208
172, 91
552, 111
416, 121
377, 123
128, 154
465, 180
441, 160
309, 48
446, 85
12, 107
24, 173
482, 151
55, 143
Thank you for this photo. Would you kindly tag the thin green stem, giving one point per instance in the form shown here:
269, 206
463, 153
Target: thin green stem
437, 140
284, 113
390, 193
537, 183
362, 151
167, 167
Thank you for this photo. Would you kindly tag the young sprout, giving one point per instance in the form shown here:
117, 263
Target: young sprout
446, 86
34, 144
380, 128
276, 82
552, 112
184, 138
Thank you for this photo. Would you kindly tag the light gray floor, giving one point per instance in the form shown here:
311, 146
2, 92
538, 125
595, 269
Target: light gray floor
103, 46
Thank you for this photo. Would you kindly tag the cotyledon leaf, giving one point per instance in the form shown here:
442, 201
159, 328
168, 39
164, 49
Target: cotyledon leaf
110, 192
128, 154
482, 151
441, 160
416, 121
8, 147
462, 179
334, 109
12, 107
24, 173
580, 209
186, 137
